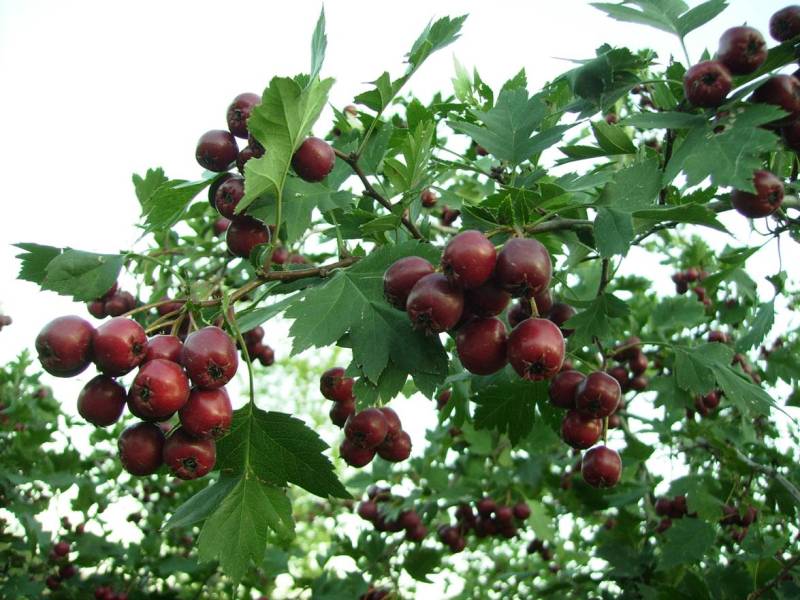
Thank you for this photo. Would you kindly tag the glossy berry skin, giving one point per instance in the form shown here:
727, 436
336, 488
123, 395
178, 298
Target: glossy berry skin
428, 198
401, 276
518, 312
620, 373
580, 430
481, 346
207, 413
355, 456
97, 309
601, 467
543, 301
216, 150
209, 357
536, 349
64, 346
340, 412
102, 401
707, 84
212, 189
313, 160
167, 347
742, 50
228, 195
245, 233
367, 429
368, 510
782, 91
767, 199
189, 457
434, 305
158, 391
785, 23
140, 448
333, 385
563, 387
239, 111
523, 267
487, 300
598, 395
521, 511
244, 155
393, 425
119, 345
486, 507
468, 259
638, 364
396, 449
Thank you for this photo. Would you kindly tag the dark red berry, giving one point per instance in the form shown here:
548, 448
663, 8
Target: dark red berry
543, 301
442, 399
207, 413
580, 430
313, 160
782, 91
119, 304
140, 448
523, 267
434, 305
717, 336
522, 511
601, 467
97, 308
620, 373
393, 425
280, 255
61, 549
67, 572
244, 155
663, 507
341, 411
209, 357
639, 383
355, 456
481, 346
707, 84
367, 429
167, 347
239, 111
638, 364
468, 259
785, 23
487, 300
158, 391
749, 516
335, 386
396, 449
449, 535
742, 50
228, 195
486, 507
65, 346
52, 582
449, 215
663, 525
368, 510
560, 314
678, 507
401, 276
767, 199
244, 234
102, 401
518, 312
428, 198
536, 349
212, 189
598, 395
216, 150
563, 387
119, 345
189, 457
169, 306
417, 533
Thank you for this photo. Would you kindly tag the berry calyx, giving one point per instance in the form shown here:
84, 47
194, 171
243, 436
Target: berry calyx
207, 413
119, 345
523, 267
468, 259
64, 346
189, 457
102, 401
598, 395
158, 391
563, 387
216, 150
209, 357
239, 111
140, 448
400, 278
536, 349
601, 467
434, 305
707, 84
367, 429
767, 199
481, 346
313, 160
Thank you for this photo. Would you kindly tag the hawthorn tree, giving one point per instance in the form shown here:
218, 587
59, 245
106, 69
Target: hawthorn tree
471, 250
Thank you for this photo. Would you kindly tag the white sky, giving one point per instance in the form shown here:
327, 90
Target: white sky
93, 91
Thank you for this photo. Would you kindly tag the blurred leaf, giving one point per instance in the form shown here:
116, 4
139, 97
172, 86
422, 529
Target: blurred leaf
687, 541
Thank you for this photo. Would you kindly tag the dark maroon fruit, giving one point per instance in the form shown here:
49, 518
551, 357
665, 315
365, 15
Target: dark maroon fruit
280, 255
543, 301
486, 507
119, 304
61, 549
481, 346
523, 267
65, 346
536, 349
396, 449
518, 312
244, 234
639, 383
449, 215
167, 347
216, 150
335, 386
628, 349
563, 387
102, 401
341, 411
239, 111
140, 448
767, 199
782, 91
207, 413
522, 511
97, 308
638, 364
434, 305
678, 507
598, 395
169, 306
244, 155
742, 50
228, 195
401, 276
393, 425
620, 373
487, 300
212, 189
428, 198
417, 533
355, 456
601, 467
663, 507
442, 399
785, 23
313, 160
119, 345
468, 259
560, 314
581, 431
368, 510
209, 357
707, 84
409, 519
367, 429
158, 391
189, 457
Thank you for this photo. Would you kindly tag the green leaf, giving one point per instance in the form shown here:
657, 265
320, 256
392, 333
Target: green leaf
686, 213
676, 313
687, 541
660, 14
251, 319
167, 203
635, 187
663, 120
509, 407
598, 319
612, 138
147, 185
699, 16
421, 562
416, 151
202, 504
695, 368
34, 261
280, 123
613, 232
759, 328
319, 43
330, 587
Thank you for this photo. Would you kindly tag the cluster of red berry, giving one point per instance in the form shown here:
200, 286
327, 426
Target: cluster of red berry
336, 387
113, 303
493, 519
671, 509
682, 279
59, 554
256, 349
373, 510
66, 347
738, 521
630, 372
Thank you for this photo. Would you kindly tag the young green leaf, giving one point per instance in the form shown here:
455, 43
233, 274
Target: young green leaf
319, 43
509, 407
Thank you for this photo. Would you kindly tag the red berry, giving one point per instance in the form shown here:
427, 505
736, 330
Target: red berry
393, 425
61, 549
598, 395
543, 301
536, 349
638, 364
449, 535
102, 401
560, 314
216, 150
767, 199
158, 391
341, 411
167, 347
396, 449
207, 413
228, 195
367, 429
169, 307
620, 373
416, 533
522, 511
519, 312
119, 304
52, 582
368, 510
239, 111
244, 155
434, 305
97, 308
663, 507
563, 387
742, 50
580, 430
355, 456
663, 525
785, 23
265, 354
313, 160
449, 215
409, 519
244, 234
280, 255
140, 448
209, 356
481, 346
749, 516
523, 267
67, 572
782, 91
639, 383
212, 189
678, 507
487, 300
504, 515
486, 507
707, 84
335, 386
468, 259
401, 276
189, 457
442, 399
428, 198
601, 467
65, 346
119, 345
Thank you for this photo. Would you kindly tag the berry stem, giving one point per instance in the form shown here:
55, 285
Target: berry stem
145, 307
230, 319
161, 264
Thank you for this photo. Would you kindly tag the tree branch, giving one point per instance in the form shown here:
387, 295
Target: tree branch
775, 580
770, 472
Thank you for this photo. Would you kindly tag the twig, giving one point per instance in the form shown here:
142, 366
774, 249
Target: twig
775, 580
770, 472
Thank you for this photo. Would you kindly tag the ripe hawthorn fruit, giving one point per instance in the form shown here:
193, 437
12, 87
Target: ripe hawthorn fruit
333, 385
563, 387
767, 199
428, 198
167, 347
367, 429
228, 194
243, 156
785, 23
280, 255
212, 189
119, 345
61, 549
449, 215
598, 395
64, 346
434, 305
742, 50
581, 431
355, 456
663, 507
487, 300
396, 449
536, 349
393, 424
119, 304
620, 373
209, 357
468, 259
401, 276
707, 84
486, 507
368, 510
416, 533
140, 448
521, 511
442, 399
639, 383
216, 150
102, 401
523, 267
518, 312
341, 411
158, 391
543, 301
245, 233
189, 457
313, 160
638, 364
481, 346
207, 413
560, 314
782, 91
601, 467
239, 111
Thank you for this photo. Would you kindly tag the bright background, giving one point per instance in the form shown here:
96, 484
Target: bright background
93, 91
